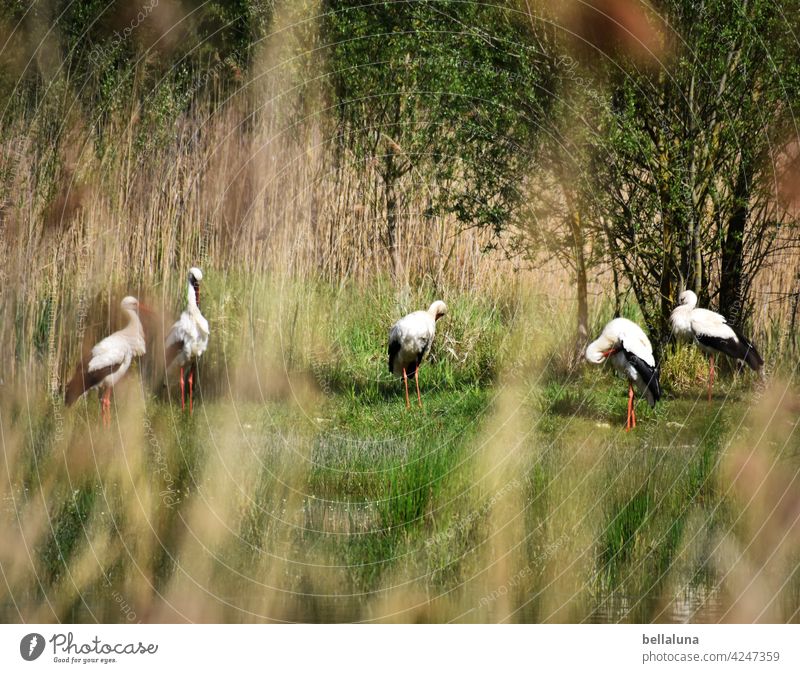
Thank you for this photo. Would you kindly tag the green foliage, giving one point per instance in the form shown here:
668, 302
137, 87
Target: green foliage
684, 368
451, 93
620, 533
69, 529
41, 334
686, 157
111, 53
469, 346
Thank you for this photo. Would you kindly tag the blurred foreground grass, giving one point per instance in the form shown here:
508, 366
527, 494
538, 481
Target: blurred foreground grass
302, 489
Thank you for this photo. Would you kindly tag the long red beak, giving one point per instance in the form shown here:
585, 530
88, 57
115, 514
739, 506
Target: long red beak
144, 308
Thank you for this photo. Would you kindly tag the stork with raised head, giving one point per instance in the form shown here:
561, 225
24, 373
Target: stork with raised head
188, 338
109, 361
410, 339
627, 346
712, 334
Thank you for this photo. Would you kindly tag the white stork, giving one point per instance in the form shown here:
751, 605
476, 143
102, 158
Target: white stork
712, 333
188, 338
410, 339
109, 360
631, 354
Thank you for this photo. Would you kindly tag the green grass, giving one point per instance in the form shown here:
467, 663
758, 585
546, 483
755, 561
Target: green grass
324, 499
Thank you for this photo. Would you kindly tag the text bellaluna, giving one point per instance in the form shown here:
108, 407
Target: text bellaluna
669, 639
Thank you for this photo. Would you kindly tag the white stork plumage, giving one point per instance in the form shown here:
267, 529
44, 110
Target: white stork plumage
188, 338
410, 339
627, 346
712, 334
109, 361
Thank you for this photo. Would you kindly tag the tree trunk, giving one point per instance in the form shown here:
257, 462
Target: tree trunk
795, 307
583, 303
391, 226
730, 285
666, 286
390, 176
580, 278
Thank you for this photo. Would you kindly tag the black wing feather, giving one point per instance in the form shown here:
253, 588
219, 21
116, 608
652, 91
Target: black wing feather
394, 349
751, 355
739, 348
82, 380
647, 374
171, 352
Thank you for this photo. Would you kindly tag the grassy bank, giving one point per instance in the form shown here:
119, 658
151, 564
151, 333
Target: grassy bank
302, 489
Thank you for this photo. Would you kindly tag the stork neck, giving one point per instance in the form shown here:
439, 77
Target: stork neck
134, 322
192, 297
681, 312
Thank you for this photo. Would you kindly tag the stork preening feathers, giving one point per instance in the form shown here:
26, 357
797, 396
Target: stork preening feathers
410, 339
627, 346
711, 332
188, 338
109, 360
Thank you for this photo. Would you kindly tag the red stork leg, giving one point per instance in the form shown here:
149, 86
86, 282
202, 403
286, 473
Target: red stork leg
416, 378
106, 404
630, 407
191, 379
183, 396
710, 376
405, 379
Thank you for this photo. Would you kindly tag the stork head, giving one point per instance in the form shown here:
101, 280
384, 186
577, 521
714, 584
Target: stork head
601, 348
133, 304
687, 298
195, 276
129, 304
438, 309
595, 352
